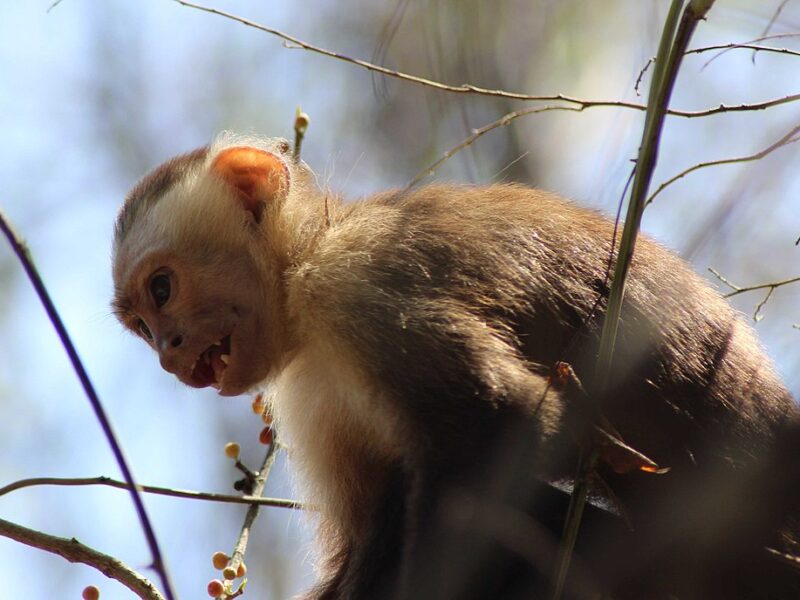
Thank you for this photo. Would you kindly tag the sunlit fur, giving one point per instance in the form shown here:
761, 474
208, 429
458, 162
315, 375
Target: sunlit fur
399, 333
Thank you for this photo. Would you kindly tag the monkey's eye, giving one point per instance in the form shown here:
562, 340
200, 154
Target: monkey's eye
144, 330
160, 289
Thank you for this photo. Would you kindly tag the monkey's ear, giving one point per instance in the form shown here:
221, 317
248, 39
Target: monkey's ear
258, 177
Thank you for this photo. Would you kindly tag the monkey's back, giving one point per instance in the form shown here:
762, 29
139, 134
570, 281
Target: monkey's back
530, 267
457, 302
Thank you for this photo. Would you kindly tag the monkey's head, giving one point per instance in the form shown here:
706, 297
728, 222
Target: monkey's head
198, 258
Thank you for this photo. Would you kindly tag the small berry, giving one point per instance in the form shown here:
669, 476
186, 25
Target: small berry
266, 417
229, 573
232, 450
258, 404
266, 436
219, 560
301, 122
215, 588
242, 570
91, 592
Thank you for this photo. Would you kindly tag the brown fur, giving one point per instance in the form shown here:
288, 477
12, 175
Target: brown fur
408, 340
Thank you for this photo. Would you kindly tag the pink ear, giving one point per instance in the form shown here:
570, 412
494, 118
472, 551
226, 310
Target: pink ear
258, 176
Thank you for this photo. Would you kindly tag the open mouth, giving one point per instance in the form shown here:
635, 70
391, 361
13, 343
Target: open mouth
211, 364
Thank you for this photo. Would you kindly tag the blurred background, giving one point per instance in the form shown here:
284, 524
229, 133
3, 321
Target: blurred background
95, 93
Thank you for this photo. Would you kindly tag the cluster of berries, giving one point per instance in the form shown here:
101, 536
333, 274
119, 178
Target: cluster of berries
222, 589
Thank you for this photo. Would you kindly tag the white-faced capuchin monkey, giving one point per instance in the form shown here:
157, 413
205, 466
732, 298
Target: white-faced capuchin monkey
409, 342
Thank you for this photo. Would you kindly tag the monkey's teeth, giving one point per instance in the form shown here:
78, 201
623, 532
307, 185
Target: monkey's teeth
225, 358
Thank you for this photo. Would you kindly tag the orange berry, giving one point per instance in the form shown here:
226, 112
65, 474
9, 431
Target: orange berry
219, 560
266, 416
232, 450
229, 573
258, 404
91, 592
215, 588
242, 570
266, 436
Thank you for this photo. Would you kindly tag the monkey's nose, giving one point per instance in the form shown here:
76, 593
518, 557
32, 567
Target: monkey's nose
169, 361
171, 354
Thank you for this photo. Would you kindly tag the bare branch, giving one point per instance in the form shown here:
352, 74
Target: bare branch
463, 88
726, 48
150, 489
726, 108
775, 16
787, 139
76, 552
22, 252
477, 133
744, 46
770, 287
762, 38
466, 88
679, 27
258, 488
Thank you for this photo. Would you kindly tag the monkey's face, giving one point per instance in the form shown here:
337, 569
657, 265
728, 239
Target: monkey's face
209, 322
197, 273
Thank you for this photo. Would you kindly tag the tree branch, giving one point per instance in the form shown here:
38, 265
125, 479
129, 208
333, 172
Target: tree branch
467, 88
151, 489
789, 138
679, 26
770, 287
258, 488
22, 252
477, 133
76, 552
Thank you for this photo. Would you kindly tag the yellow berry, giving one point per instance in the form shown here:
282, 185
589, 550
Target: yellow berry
258, 404
229, 573
219, 560
215, 588
242, 570
91, 592
232, 450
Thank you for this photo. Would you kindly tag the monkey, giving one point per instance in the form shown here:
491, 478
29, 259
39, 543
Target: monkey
407, 343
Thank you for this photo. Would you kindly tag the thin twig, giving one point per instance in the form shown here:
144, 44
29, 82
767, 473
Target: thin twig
467, 88
725, 48
775, 16
477, 133
670, 55
762, 38
76, 552
770, 287
679, 26
743, 46
22, 252
787, 139
150, 489
258, 488
463, 88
